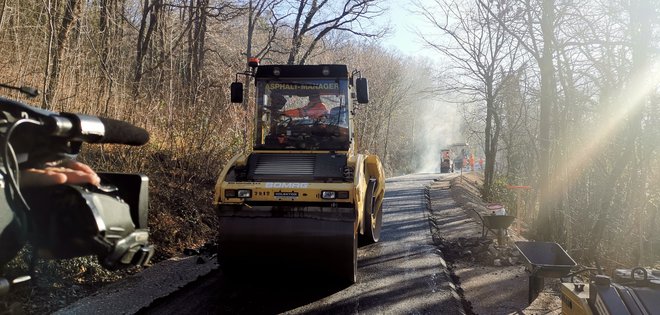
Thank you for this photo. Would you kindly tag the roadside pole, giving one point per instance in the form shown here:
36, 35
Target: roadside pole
462, 166
463, 146
520, 212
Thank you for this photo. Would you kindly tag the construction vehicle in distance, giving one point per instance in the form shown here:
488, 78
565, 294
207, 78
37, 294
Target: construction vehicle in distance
447, 161
303, 197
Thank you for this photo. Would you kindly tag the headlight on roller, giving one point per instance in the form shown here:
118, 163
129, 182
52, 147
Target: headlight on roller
238, 193
328, 194
244, 193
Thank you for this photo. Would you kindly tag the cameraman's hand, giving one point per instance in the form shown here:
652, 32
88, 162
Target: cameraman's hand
68, 172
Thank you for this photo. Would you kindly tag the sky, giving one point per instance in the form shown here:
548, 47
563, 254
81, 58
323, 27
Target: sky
404, 24
441, 120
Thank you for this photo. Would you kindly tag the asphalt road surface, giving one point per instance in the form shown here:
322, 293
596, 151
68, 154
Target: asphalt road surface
402, 274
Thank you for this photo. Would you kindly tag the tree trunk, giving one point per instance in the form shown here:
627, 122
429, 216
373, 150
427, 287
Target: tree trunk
298, 32
148, 24
2, 12
71, 16
489, 151
544, 222
105, 79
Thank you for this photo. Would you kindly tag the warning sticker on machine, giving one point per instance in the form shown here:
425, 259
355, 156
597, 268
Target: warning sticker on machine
286, 194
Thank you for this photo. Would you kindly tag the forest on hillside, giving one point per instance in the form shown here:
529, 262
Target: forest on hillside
166, 66
563, 97
558, 95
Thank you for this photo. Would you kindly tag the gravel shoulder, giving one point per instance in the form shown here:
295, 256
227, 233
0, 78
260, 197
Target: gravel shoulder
491, 277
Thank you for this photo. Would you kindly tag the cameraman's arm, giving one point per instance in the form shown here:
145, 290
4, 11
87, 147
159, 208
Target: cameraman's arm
68, 172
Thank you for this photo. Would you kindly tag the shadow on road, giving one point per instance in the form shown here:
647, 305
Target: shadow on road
270, 293
248, 291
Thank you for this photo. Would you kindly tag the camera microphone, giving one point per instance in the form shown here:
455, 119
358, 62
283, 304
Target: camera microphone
121, 132
93, 129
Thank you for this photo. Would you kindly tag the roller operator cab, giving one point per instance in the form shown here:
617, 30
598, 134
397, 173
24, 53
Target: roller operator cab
303, 196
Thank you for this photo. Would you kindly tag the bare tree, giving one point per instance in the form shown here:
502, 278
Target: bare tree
199, 13
148, 24
593, 143
548, 92
72, 13
539, 44
640, 28
110, 34
479, 48
260, 11
314, 19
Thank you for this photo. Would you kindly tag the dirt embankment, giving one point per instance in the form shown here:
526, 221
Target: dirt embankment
491, 276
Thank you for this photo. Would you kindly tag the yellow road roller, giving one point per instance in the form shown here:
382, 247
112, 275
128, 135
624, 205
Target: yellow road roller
303, 197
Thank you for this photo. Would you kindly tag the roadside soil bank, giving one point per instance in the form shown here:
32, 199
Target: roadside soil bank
491, 277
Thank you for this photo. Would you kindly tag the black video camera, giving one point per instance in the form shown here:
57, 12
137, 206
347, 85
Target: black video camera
64, 221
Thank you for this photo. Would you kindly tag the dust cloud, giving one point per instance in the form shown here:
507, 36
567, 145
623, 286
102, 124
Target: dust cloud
439, 127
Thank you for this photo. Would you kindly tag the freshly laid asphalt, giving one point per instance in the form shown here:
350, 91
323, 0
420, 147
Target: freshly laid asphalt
402, 274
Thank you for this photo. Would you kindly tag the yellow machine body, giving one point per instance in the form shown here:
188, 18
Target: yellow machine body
573, 301
307, 202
